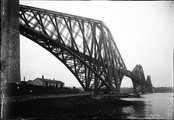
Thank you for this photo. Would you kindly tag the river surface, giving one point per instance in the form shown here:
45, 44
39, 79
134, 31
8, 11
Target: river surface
149, 106
156, 106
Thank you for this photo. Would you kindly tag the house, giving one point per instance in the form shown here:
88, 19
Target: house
47, 82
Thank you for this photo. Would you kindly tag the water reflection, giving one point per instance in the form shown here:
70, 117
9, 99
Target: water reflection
153, 106
135, 111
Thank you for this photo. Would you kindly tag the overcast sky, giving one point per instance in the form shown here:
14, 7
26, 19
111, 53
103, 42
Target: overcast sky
141, 30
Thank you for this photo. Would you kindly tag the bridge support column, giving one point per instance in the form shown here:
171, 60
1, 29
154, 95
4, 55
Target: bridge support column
134, 86
10, 44
149, 85
10, 48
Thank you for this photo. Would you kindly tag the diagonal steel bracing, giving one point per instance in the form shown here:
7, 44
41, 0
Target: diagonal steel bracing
84, 45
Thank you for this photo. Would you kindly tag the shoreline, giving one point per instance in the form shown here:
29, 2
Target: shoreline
35, 97
80, 107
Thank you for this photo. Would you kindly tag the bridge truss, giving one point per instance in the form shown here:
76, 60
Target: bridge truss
84, 45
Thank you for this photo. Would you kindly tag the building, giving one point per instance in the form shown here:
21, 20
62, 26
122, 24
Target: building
47, 82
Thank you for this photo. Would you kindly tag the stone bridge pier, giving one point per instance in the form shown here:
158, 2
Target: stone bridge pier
10, 44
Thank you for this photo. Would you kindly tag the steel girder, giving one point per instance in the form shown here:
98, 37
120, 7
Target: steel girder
138, 78
149, 86
85, 46
140, 84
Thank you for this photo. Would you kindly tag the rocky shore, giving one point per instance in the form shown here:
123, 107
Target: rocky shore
67, 108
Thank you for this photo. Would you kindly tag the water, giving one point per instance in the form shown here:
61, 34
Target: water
156, 106
150, 106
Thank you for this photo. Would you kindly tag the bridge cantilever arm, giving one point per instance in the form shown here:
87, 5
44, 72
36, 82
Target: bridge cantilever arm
61, 13
66, 48
86, 42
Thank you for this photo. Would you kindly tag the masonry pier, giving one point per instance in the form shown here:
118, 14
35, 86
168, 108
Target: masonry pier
10, 44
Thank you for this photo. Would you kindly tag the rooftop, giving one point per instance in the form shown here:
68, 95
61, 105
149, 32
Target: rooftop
49, 80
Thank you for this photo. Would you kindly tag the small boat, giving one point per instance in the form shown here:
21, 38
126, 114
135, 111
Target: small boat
134, 95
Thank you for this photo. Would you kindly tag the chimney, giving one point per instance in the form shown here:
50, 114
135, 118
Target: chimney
42, 76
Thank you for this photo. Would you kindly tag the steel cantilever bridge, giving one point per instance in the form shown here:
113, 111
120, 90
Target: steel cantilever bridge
85, 46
